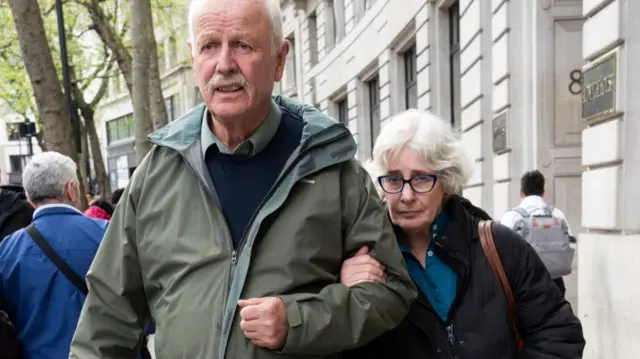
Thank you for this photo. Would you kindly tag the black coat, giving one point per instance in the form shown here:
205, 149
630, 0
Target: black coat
478, 327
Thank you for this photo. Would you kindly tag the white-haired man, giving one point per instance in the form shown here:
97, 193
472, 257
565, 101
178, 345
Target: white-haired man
233, 229
41, 301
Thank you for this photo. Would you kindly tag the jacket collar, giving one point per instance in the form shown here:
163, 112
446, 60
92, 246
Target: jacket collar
57, 208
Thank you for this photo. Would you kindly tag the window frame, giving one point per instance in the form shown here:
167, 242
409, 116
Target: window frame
410, 62
454, 64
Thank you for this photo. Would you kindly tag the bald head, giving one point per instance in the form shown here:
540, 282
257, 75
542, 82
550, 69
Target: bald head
271, 7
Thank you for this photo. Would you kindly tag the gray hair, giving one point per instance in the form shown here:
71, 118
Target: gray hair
47, 175
434, 140
273, 10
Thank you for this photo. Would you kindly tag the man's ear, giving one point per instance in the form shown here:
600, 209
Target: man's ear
283, 51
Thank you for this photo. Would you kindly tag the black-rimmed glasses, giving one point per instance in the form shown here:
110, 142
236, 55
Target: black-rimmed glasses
421, 183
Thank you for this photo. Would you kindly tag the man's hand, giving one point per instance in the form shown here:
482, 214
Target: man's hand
264, 321
361, 268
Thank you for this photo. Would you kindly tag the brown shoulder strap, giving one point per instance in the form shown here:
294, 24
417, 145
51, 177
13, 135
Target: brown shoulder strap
490, 251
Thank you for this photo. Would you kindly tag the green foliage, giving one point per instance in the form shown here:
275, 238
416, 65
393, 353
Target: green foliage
86, 53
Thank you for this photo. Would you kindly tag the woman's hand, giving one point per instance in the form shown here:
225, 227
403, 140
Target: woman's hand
361, 268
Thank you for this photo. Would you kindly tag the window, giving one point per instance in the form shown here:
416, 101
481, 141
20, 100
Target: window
454, 64
374, 108
120, 128
17, 163
312, 28
410, 78
343, 111
13, 131
332, 25
289, 78
119, 171
173, 107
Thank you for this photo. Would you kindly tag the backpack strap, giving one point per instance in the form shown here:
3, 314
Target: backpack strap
521, 211
493, 257
75, 279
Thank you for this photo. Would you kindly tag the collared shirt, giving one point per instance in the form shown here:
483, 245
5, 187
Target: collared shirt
531, 204
252, 145
54, 205
436, 280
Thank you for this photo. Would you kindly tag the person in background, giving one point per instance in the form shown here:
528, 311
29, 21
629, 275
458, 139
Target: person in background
462, 312
232, 230
533, 204
100, 209
15, 211
115, 196
42, 303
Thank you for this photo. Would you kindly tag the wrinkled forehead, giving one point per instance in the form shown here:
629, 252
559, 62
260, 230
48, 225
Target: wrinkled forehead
238, 16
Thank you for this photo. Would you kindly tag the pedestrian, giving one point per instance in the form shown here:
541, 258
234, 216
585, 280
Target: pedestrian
99, 209
41, 301
15, 211
464, 308
545, 227
232, 230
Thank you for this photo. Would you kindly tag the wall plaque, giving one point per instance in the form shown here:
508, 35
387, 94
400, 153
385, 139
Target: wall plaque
599, 88
500, 133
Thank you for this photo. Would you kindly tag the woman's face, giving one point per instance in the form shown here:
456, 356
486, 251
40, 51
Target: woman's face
409, 210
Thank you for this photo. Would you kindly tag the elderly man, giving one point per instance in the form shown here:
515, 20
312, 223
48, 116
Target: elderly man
233, 229
41, 301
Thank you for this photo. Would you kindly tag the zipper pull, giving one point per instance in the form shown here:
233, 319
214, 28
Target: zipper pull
450, 336
234, 256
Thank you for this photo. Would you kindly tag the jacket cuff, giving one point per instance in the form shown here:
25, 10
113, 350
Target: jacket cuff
294, 318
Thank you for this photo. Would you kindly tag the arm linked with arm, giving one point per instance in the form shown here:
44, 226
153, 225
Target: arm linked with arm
115, 312
339, 317
545, 319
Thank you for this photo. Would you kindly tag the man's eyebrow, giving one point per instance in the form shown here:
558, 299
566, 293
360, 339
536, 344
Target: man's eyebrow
206, 36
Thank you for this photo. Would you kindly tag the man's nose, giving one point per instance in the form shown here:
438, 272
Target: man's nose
226, 62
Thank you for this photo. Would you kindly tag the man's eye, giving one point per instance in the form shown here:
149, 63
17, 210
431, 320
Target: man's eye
244, 47
208, 47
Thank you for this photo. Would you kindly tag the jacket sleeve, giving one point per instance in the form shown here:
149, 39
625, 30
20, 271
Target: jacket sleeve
115, 312
340, 318
545, 319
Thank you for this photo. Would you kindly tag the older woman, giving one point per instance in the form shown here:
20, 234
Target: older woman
462, 310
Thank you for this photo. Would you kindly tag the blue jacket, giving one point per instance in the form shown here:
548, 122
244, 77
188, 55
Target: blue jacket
41, 302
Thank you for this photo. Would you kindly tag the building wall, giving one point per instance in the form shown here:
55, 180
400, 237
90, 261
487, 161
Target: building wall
609, 292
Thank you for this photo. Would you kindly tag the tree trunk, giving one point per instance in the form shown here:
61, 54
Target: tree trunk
109, 37
102, 178
88, 113
36, 54
156, 98
141, 40
84, 156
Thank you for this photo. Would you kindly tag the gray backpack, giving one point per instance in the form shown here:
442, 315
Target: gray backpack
549, 236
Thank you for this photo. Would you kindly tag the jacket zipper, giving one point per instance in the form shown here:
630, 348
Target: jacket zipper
227, 239
451, 338
238, 250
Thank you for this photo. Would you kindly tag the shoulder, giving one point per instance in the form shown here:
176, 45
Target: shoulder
513, 249
12, 243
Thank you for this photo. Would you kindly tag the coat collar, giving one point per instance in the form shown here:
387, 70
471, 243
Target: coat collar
57, 208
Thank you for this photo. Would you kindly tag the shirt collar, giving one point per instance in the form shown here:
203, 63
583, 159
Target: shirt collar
251, 146
532, 201
55, 205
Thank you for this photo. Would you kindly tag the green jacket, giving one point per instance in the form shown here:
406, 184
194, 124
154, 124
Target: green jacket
167, 254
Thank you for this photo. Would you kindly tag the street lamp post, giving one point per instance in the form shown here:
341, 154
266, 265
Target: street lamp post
75, 121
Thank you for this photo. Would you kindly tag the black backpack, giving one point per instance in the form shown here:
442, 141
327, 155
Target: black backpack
10, 346
15, 211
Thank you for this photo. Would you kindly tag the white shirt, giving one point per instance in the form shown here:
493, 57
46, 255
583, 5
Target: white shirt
533, 205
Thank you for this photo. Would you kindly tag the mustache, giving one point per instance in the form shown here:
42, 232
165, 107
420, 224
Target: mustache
222, 80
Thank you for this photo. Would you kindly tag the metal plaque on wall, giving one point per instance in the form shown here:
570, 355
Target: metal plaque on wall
500, 133
599, 88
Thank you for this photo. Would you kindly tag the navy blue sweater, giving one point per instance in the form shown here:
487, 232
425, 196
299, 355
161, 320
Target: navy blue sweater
243, 181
